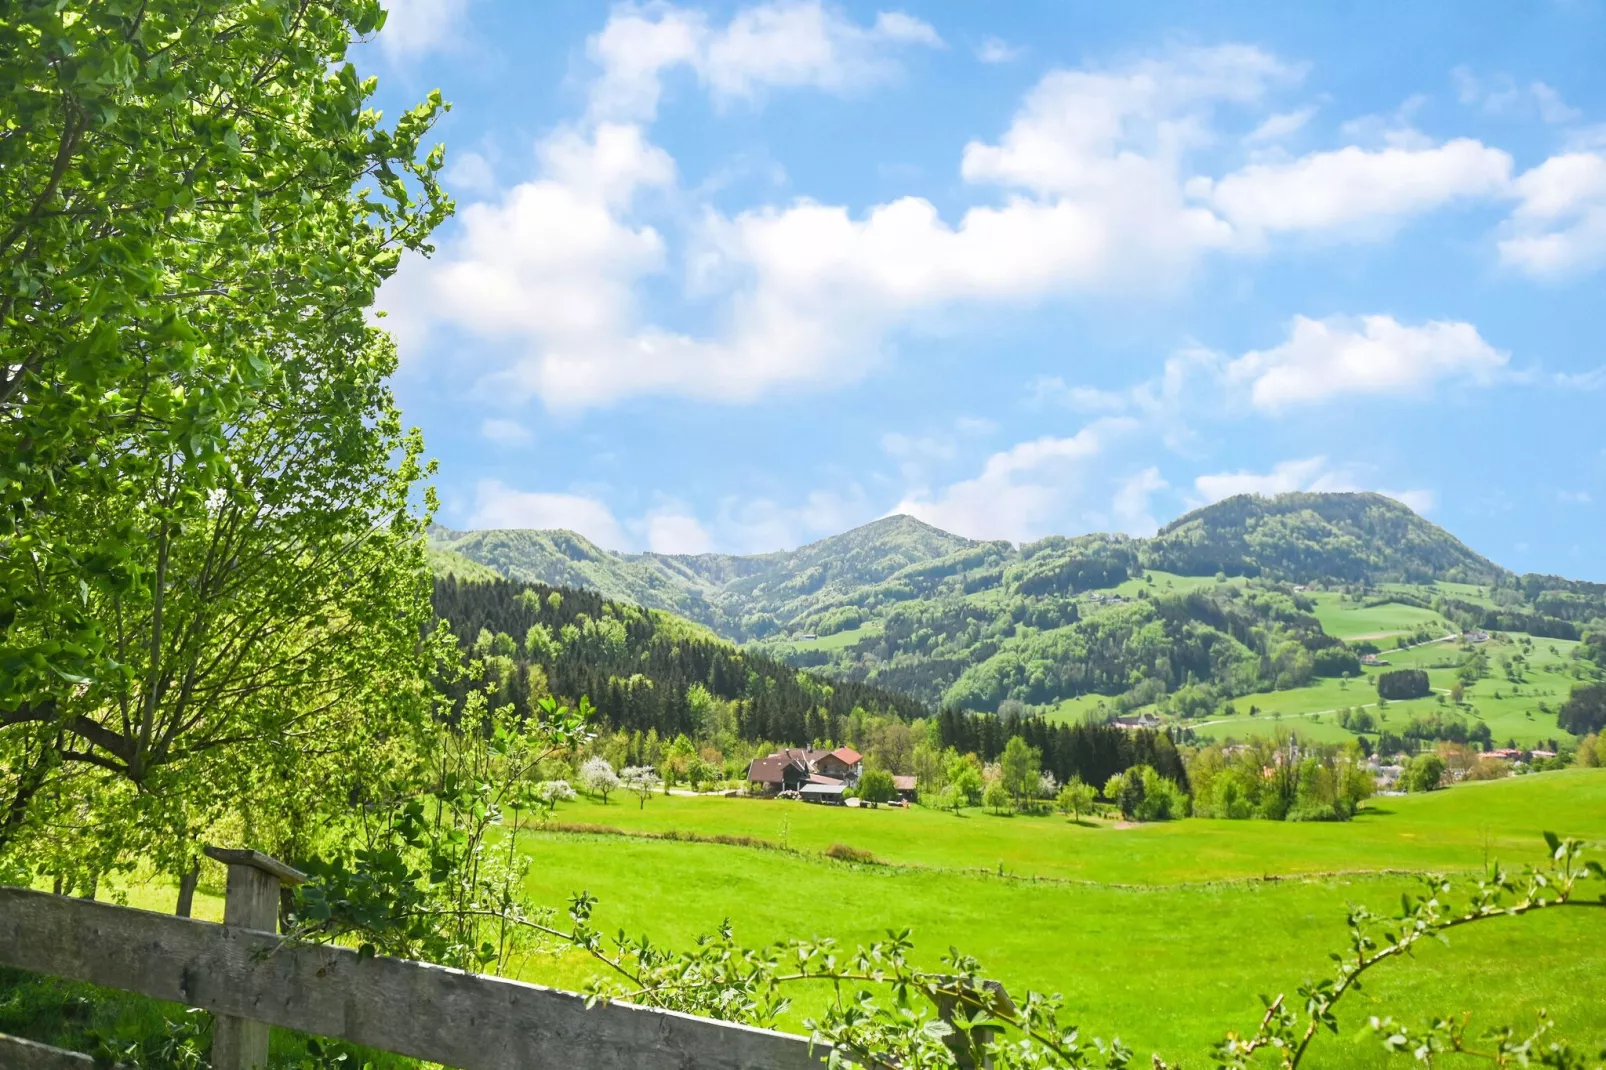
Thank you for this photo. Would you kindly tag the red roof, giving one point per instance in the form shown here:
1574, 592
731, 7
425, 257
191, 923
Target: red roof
903, 783
848, 755
816, 778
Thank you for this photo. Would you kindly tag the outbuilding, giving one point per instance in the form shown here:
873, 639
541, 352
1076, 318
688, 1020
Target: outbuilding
829, 794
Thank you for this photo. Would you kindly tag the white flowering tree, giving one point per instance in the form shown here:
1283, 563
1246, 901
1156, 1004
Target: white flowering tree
597, 777
641, 781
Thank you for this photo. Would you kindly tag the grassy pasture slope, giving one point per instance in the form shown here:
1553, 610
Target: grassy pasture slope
1349, 620
1511, 711
1171, 963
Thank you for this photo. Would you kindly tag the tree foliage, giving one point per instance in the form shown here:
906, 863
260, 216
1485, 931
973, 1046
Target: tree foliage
211, 561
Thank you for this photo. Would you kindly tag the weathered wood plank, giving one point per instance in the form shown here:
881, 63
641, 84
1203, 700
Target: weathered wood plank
252, 903
19, 1054
428, 1012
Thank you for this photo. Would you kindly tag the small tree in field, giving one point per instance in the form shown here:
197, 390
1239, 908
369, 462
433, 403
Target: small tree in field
1076, 798
997, 797
641, 781
598, 777
876, 787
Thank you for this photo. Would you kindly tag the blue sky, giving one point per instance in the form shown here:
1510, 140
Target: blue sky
735, 277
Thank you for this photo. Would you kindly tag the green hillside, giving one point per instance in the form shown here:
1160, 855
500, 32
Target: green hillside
1352, 538
1243, 599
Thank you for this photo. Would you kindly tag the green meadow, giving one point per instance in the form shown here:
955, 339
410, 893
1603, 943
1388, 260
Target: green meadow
1511, 709
1352, 620
1162, 933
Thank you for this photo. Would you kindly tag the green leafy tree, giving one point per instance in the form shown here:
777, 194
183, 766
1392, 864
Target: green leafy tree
186, 190
1020, 764
997, 798
876, 787
1425, 772
1076, 798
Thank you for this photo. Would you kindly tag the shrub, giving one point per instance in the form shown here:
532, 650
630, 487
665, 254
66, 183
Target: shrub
843, 853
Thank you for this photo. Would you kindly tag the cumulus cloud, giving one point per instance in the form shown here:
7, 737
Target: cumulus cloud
1354, 192
1278, 126
1325, 359
1502, 95
414, 27
1093, 196
1131, 505
783, 44
1559, 225
1306, 474
1020, 492
497, 505
469, 172
675, 531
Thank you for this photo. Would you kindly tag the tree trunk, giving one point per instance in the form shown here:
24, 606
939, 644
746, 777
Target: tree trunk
186, 889
89, 889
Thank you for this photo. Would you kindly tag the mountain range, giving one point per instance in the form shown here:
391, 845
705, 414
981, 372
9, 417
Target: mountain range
905, 605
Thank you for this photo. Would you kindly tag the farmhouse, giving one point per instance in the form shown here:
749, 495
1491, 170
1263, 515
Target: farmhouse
1372, 659
1477, 635
791, 767
844, 764
1142, 720
775, 774
906, 788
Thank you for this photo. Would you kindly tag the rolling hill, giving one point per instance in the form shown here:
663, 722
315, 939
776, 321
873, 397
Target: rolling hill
1233, 599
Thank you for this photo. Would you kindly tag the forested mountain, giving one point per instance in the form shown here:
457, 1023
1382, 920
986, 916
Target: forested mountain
1301, 537
956, 622
741, 597
645, 670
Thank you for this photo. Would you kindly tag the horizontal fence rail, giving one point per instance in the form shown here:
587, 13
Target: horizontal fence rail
19, 1054
459, 1019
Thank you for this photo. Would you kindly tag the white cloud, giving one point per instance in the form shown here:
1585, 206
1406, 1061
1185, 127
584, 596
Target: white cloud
505, 432
675, 532
758, 525
997, 50
1054, 390
1324, 359
1306, 474
1285, 477
1093, 199
1594, 379
1502, 95
414, 27
1020, 492
469, 172
1276, 127
497, 505
552, 261
1574, 497
1354, 191
1559, 225
1131, 505
791, 43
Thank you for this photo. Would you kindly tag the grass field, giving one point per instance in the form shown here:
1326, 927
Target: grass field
1510, 709
1163, 933
1166, 942
1352, 620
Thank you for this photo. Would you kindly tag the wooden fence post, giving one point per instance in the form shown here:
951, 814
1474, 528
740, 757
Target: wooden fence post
252, 903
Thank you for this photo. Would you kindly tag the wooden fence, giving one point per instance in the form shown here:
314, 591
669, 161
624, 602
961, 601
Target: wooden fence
250, 979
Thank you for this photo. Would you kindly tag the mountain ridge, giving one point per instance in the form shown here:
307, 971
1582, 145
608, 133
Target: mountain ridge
901, 604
